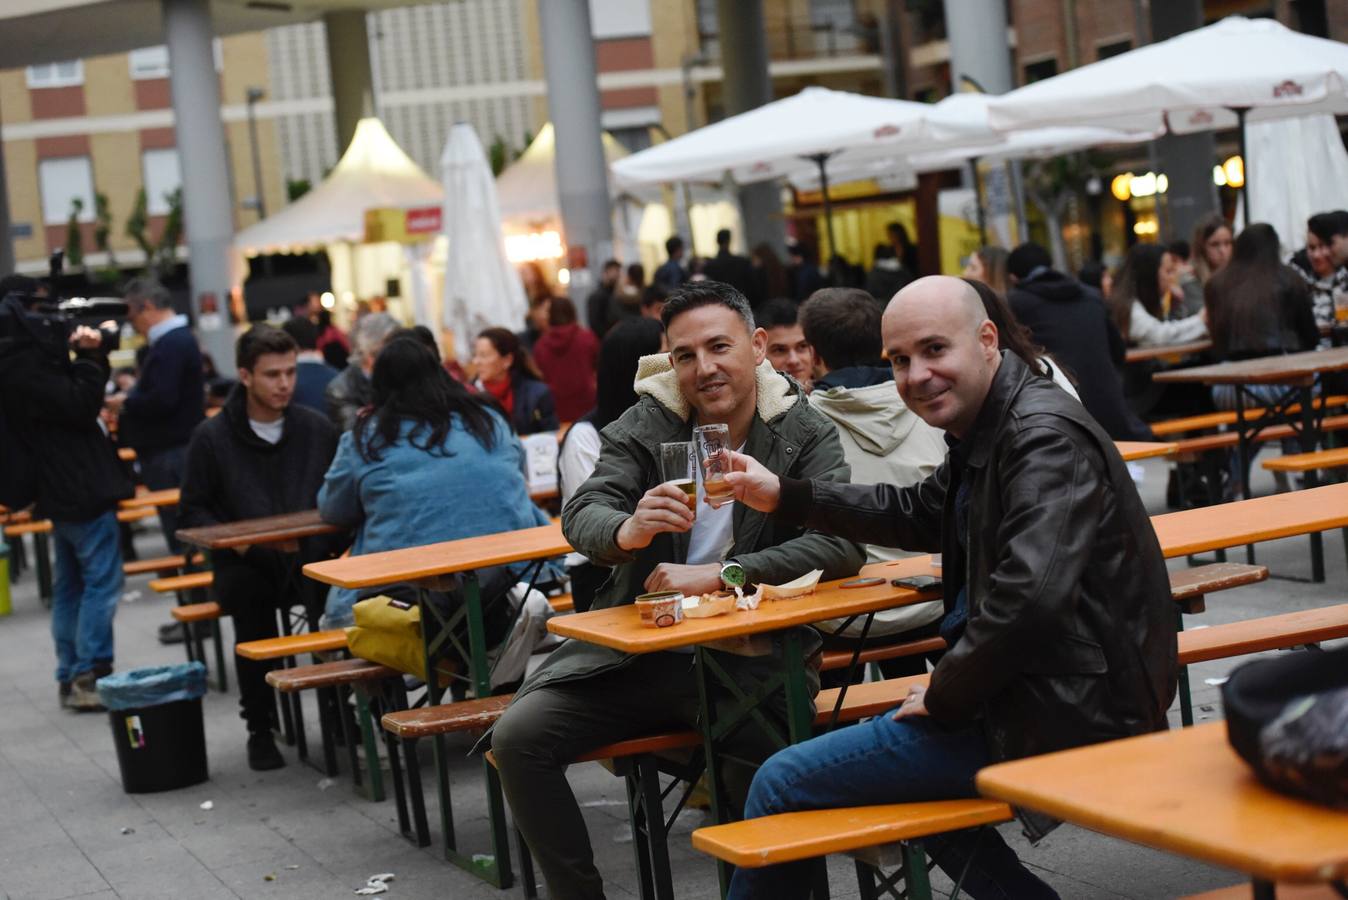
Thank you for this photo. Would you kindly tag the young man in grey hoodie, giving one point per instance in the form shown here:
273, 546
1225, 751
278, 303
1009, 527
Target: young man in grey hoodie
883, 441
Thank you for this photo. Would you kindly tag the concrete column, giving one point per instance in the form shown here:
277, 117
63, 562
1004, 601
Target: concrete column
6, 239
978, 45
207, 215
573, 107
1187, 160
349, 69
747, 85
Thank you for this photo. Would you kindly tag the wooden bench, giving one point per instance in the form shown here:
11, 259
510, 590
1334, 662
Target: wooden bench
1188, 588
562, 603
293, 645
188, 581
160, 565
136, 514
1228, 439
1285, 892
803, 835
23, 524
1336, 458
1208, 421
373, 687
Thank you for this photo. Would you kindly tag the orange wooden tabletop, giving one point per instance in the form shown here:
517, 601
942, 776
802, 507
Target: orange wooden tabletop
620, 627
445, 558
1184, 791
1134, 450
1250, 521
1287, 368
166, 497
1141, 354
265, 530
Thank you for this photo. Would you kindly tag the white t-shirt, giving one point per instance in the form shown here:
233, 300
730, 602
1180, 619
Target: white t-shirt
713, 533
268, 431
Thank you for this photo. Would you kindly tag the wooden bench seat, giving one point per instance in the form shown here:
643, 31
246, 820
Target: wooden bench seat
1280, 632
328, 674
190, 581
197, 612
1306, 462
1206, 421
1229, 439
136, 513
293, 645
1188, 587
805, 835
163, 565
562, 603
19, 529
1285, 892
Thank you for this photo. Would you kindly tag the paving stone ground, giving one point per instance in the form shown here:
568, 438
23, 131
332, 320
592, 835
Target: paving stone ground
280, 835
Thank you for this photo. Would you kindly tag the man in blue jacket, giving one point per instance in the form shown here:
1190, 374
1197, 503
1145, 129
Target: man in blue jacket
158, 414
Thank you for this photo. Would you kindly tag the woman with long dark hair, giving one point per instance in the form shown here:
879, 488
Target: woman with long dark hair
1015, 337
429, 461
1141, 302
507, 373
622, 348
1211, 246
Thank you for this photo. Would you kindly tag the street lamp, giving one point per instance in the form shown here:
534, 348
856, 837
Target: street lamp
253, 95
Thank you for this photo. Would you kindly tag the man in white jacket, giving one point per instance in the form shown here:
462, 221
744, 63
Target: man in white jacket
882, 440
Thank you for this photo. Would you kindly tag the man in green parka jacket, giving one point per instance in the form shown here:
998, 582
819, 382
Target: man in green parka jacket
585, 696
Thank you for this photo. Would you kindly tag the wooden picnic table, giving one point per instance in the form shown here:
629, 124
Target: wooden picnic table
1226, 525
285, 529
1132, 451
165, 497
1186, 792
1166, 351
426, 567
1297, 374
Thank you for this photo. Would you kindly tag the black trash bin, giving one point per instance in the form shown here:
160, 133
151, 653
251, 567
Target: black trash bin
157, 726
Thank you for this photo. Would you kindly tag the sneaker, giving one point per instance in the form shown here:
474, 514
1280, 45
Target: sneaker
84, 695
262, 753
172, 633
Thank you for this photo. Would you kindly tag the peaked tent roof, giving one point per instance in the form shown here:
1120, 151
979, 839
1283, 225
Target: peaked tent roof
373, 173
527, 189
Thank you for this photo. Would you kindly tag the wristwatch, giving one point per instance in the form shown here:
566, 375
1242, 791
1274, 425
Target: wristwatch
732, 575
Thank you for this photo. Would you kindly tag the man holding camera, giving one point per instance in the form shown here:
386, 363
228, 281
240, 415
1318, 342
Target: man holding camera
51, 407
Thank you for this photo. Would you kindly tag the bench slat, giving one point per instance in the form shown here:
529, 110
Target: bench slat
328, 674
1284, 892
1205, 421
1304, 462
804, 835
196, 612
41, 526
1307, 626
466, 715
1229, 439
156, 564
189, 582
293, 645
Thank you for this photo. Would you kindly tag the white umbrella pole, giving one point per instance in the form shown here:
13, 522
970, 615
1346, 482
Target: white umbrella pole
978, 203
1240, 112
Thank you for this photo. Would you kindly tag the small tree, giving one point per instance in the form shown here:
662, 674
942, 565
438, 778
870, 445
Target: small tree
1053, 185
74, 236
499, 154
159, 255
297, 188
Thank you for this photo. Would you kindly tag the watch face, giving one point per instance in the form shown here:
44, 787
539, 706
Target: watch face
733, 574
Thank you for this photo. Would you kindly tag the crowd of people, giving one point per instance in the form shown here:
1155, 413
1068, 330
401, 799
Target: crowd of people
871, 413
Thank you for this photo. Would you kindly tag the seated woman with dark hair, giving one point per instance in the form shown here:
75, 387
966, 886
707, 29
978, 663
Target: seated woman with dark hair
507, 372
429, 462
1015, 337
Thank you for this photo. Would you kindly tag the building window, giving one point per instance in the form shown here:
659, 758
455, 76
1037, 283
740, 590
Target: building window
53, 75
1113, 48
153, 62
63, 181
162, 177
1038, 71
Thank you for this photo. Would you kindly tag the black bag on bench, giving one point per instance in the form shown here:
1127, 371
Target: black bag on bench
1288, 718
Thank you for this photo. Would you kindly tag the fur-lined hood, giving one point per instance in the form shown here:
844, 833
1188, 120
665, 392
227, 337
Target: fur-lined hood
777, 393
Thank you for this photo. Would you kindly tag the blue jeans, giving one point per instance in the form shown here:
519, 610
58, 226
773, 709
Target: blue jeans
87, 586
883, 761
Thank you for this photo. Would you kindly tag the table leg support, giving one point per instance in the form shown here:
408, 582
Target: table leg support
40, 550
708, 707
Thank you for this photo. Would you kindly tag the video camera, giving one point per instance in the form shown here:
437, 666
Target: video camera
49, 321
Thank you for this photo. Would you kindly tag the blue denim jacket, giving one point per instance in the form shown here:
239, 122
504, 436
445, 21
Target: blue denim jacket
413, 497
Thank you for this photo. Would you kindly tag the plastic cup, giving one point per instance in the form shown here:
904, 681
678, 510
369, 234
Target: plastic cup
713, 441
678, 467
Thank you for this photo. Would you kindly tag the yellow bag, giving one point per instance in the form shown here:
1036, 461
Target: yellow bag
388, 631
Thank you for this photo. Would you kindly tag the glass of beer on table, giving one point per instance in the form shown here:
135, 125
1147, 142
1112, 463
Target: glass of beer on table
677, 467
713, 442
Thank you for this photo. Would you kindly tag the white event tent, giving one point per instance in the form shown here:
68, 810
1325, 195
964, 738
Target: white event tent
373, 173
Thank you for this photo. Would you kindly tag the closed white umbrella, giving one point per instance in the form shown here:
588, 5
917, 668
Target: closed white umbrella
482, 288
1221, 76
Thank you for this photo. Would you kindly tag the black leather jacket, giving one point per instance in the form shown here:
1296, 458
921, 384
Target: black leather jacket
1071, 628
